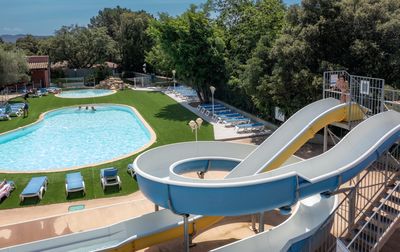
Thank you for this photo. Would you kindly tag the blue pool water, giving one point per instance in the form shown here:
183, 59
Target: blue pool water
85, 93
70, 137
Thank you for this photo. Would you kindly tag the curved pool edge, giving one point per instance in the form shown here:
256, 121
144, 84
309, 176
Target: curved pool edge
153, 139
112, 92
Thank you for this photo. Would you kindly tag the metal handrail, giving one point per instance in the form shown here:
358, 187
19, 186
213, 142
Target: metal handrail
374, 214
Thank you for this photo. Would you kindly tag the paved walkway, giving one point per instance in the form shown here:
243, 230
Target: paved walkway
220, 131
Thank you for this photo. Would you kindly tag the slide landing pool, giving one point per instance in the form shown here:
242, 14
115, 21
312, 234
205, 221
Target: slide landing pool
69, 137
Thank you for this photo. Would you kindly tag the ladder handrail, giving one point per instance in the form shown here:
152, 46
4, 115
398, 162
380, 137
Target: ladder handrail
374, 214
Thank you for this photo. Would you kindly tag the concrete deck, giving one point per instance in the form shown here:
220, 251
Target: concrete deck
220, 131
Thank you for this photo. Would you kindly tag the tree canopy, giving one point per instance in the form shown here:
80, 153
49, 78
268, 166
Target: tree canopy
13, 67
133, 40
195, 47
82, 47
29, 44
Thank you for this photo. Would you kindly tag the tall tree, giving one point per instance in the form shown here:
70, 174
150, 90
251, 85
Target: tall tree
13, 67
29, 44
81, 47
133, 40
360, 36
251, 29
111, 19
195, 46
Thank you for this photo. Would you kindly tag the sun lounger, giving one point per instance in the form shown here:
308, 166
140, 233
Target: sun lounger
15, 112
249, 127
222, 110
74, 183
131, 171
6, 188
35, 188
221, 117
236, 121
4, 117
44, 91
109, 177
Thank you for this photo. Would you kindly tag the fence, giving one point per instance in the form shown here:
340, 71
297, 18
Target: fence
357, 203
366, 92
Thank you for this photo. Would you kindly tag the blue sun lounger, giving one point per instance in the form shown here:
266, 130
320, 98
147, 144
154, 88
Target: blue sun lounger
109, 177
74, 183
236, 121
35, 188
249, 127
228, 115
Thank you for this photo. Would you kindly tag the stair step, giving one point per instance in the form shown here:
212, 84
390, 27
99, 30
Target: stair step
360, 247
380, 221
388, 212
395, 198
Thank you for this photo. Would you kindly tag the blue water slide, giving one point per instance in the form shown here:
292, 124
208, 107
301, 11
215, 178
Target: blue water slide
167, 187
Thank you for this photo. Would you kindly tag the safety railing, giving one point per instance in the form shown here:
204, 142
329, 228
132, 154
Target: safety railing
366, 92
379, 223
358, 199
392, 99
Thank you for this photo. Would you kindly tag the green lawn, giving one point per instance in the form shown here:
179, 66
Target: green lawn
167, 118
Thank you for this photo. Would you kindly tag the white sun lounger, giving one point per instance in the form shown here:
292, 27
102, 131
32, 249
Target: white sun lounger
249, 127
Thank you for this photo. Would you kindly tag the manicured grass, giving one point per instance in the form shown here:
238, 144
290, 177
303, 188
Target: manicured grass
167, 118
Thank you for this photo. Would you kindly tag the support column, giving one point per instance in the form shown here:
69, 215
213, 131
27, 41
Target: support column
186, 242
156, 207
253, 223
352, 207
325, 148
261, 223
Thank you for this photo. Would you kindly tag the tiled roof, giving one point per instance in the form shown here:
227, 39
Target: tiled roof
38, 62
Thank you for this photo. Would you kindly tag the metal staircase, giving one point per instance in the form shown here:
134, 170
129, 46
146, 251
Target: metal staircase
379, 224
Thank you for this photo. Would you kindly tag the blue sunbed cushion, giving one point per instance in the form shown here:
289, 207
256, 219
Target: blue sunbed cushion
109, 172
249, 125
34, 185
237, 119
74, 181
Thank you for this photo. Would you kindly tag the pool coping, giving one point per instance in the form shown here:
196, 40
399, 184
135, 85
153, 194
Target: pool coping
153, 138
112, 92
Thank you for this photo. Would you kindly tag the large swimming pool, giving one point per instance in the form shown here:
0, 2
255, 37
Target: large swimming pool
70, 137
85, 93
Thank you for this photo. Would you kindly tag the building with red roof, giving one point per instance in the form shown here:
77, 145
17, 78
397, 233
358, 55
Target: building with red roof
39, 68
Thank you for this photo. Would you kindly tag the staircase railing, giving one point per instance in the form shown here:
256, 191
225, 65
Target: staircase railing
382, 222
358, 197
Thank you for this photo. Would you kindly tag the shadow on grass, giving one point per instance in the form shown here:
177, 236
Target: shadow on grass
111, 190
175, 112
75, 195
30, 201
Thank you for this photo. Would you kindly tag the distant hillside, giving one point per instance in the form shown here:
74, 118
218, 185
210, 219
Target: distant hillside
13, 38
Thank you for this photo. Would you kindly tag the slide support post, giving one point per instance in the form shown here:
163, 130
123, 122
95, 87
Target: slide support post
186, 242
261, 223
325, 148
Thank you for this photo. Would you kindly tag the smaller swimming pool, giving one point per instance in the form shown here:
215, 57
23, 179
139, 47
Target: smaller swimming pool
85, 93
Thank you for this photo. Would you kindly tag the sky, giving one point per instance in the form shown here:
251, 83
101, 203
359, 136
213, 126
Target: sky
43, 17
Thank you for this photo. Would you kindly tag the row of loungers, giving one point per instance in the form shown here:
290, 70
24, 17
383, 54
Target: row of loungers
11, 110
230, 118
185, 93
74, 182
